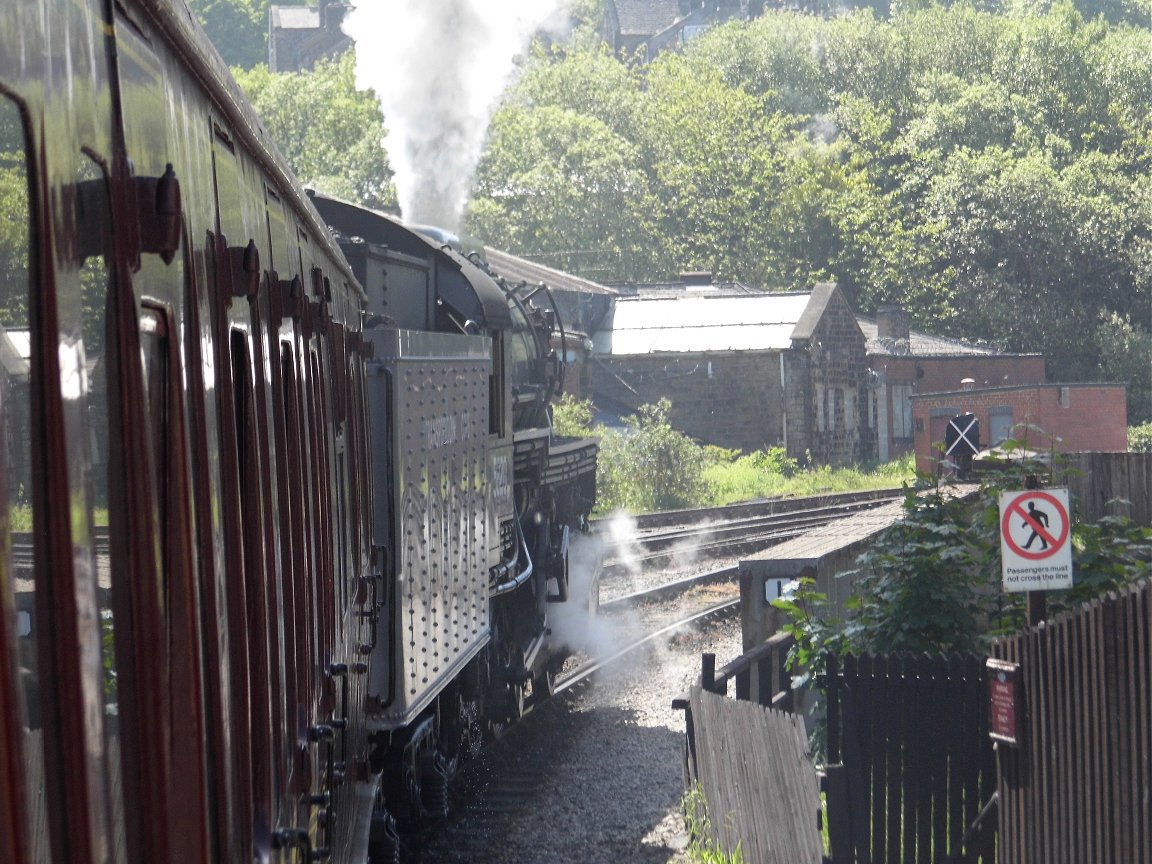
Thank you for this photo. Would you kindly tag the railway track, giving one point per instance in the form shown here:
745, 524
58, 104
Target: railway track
656, 538
576, 733
515, 770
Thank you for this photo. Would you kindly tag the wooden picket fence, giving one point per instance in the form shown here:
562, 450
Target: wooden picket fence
910, 774
1078, 787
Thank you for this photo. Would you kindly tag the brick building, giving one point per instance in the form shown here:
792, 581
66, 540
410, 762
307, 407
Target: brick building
743, 369
1070, 418
905, 364
300, 36
644, 28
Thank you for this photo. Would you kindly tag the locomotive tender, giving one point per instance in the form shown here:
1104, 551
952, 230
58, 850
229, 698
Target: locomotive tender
282, 514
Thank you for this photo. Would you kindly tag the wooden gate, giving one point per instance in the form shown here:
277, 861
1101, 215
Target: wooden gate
1078, 787
910, 765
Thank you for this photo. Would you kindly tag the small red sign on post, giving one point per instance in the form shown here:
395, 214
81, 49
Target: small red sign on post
1005, 715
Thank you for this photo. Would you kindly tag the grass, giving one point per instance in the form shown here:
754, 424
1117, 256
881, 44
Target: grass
702, 847
743, 479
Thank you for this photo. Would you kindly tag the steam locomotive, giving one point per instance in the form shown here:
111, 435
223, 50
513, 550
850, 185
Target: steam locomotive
283, 518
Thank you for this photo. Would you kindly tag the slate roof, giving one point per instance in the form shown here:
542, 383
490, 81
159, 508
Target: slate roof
295, 17
823, 293
516, 269
646, 17
693, 322
919, 344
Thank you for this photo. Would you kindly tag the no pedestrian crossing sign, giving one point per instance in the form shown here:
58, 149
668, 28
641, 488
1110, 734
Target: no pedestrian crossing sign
1035, 551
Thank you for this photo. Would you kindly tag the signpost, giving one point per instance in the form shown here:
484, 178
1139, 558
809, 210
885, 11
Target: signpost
1035, 552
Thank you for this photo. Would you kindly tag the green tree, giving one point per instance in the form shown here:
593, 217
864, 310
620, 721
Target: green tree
1034, 250
562, 188
1126, 355
238, 29
331, 133
590, 82
712, 153
775, 56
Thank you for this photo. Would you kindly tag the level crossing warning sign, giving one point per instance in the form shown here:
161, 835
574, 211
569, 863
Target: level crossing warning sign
1035, 552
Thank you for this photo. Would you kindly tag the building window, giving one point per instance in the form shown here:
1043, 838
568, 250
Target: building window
820, 413
850, 411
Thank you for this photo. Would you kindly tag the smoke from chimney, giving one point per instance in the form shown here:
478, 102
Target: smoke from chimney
438, 67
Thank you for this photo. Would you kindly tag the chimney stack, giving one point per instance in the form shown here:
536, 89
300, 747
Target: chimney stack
892, 323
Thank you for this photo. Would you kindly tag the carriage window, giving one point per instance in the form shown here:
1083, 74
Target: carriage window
16, 417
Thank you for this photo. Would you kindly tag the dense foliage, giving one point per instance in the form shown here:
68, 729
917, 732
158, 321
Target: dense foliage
239, 28
1140, 438
988, 171
331, 133
986, 165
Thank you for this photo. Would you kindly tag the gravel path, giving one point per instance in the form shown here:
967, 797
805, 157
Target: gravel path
598, 780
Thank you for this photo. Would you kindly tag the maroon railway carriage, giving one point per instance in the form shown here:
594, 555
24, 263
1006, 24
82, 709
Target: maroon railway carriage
267, 551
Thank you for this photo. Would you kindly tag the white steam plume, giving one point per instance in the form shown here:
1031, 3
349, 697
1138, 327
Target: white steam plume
438, 67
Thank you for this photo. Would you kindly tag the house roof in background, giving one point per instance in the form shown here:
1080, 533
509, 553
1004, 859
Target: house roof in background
922, 345
295, 17
515, 269
646, 17
693, 322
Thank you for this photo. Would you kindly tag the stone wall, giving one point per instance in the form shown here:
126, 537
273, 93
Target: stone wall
730, 399
840, 429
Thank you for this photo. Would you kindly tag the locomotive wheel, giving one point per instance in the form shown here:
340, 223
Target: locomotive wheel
543, 685
507, 707
434, 782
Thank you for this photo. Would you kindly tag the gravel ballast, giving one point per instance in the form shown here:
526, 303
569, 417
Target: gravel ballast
597, 777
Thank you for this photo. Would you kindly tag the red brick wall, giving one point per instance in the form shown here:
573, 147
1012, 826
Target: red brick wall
929, 374
1073, 417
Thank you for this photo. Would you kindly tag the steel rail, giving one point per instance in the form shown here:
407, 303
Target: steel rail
587, 670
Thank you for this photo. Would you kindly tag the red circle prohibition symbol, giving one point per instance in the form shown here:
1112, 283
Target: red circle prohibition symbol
1014, 510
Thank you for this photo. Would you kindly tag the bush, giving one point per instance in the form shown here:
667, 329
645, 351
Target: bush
650, 466
572, 417
1140, 438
